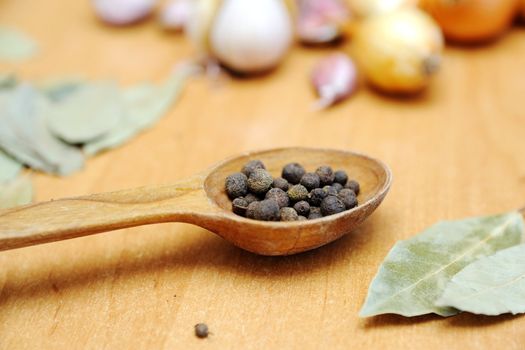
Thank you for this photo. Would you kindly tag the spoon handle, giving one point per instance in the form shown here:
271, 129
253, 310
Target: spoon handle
81, 216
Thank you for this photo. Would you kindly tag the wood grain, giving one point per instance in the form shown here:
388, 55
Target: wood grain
455, 150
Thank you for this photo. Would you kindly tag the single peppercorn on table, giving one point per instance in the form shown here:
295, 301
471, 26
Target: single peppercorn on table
456, 150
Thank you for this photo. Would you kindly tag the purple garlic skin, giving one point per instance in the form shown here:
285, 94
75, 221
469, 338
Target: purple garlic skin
123, 12
321, 21
175, 14
334, 79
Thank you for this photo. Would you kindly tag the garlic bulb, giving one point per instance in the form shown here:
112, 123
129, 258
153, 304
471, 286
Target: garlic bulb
321, 21
366, 8
199, 22
334, 79
122, 12
175, 14
251, 36
399, 51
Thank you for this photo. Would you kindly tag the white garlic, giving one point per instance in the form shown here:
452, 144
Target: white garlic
334, 79
366, 8
122, 12
321, 21
199, 23
175, 14
251, 36
399, 51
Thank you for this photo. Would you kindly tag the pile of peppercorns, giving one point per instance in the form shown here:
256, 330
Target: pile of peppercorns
296, 195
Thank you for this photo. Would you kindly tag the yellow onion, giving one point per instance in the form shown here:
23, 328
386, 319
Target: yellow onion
472, 20
366, 8
399, 51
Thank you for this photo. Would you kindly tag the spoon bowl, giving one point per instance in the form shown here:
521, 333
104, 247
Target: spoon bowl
202, 200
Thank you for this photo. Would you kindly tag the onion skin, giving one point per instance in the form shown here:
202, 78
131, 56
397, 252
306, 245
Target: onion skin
399, 51
472, 21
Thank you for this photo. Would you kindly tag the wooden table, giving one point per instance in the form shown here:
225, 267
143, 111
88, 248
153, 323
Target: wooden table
456, 150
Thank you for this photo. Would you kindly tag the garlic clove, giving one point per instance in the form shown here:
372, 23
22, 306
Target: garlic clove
334, 79
399, 51
175, 14
123, 12
251, 36
321, 21
199, 22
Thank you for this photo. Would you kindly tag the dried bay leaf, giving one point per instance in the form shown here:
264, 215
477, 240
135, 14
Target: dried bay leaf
9, 168
15, 45
58, 89
7, 81
144, 105
16, 192
492, 285
86, 113
415, 272
24, 134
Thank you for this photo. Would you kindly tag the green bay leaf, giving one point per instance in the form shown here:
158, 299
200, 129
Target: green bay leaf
24, 134
15, 45
415, 272
144, 105
9, 168
86, 112
18, 191
492, 285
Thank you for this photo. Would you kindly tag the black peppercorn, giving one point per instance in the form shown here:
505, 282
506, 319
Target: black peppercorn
330, 190
281, 183
267, 210
340, 177
315, 213
310, 181
279, 196
354, 186
297, 193
239, 206
302, 208
337, 186
348, 197
260, 181
326, 175
316, 196
249, 167
288, 214
236, 185
250, 197
250, 211
201, 330
293, 173
332, 205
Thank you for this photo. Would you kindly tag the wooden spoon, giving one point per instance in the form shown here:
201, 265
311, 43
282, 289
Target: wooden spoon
201, 200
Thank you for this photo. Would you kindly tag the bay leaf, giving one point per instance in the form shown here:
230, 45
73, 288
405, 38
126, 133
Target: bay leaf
86, 113
492, 285
16, 192
144, 105
15, 45
59, 89
24, 134
9, 168
415, 272
7, 81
